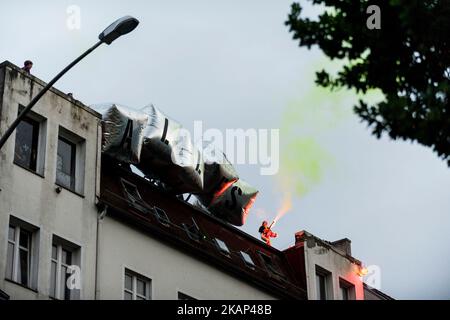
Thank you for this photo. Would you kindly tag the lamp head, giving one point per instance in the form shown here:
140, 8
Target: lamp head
118, 28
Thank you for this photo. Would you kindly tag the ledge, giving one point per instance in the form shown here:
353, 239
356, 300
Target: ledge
21, 285
70, 190
29, 170
58, 92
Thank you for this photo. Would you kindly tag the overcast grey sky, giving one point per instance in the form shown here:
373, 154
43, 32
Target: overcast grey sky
232, 64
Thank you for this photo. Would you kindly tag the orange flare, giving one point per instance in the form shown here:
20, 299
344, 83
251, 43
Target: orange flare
286, 206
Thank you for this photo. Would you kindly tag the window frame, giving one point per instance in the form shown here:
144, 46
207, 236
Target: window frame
32, 253
161, 216
17, 248
60, 247
39, 139
73, 160
35, 128
78, 157
251, 263
321, 273
273, 267
348, 287
225, 251
130, 196
194, 236
136, 203
134, 281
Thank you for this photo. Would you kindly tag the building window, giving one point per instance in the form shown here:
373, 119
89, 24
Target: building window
183, 296
63, 260
270, 264
70, 161
65, 172
27, 137
347, 290
321, 287
136, 286
222, 246
161, 215
131, 191
323, 282
20, 258
29, 148
247, 259
193, 230
134, 197
345, 294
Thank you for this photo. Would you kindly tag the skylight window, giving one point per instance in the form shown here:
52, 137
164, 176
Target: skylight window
193, 230
134, 198
131, 191
161, 215
222, 246
247, 259
270, 264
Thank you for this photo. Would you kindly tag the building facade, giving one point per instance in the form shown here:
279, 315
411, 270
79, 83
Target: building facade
49, 178
331, 273
76, 224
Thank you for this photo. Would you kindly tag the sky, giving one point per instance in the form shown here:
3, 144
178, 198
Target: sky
233, 64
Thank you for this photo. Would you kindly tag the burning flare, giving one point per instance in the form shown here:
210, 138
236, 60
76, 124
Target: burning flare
286, 206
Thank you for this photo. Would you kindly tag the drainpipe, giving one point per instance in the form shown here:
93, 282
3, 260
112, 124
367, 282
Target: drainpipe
100, 218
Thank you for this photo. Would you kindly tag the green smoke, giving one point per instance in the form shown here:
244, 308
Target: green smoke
306, 120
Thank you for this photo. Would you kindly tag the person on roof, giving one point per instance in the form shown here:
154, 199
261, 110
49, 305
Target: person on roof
27, 65
266, 233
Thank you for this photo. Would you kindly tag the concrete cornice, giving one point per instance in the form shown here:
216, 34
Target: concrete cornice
8, 64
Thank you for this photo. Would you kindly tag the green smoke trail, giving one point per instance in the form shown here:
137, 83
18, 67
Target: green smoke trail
307, 119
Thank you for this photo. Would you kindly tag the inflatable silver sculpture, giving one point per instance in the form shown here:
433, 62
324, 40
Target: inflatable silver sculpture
122, 131
154, 143
219, 174
163, 150
234, 204
168, 153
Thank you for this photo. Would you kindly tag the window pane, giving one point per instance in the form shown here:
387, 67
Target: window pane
23, 267
24, 239
54, 252
12, 233
66, 257
141, 287
344, 293
127, 296
140, 298
53, 280
321, 287
25, 153
247, 258
271, 265
128, 282
65, 167
132, 191
10, 261
62, 282
222, 245
67, 290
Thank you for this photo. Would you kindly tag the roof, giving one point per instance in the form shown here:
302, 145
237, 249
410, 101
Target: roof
3, 295
63, 95
376, 292
270, 271
303, 236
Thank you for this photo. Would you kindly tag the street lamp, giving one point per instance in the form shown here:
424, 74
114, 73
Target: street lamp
118, 28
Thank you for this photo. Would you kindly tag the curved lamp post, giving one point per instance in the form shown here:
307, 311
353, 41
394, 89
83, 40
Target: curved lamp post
118, 28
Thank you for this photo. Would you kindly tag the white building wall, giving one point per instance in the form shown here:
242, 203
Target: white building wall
33, 198
336, 264
169, 269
